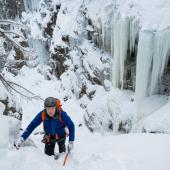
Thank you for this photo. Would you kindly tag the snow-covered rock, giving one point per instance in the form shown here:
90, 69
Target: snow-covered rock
2, 108
10, 130
91, 44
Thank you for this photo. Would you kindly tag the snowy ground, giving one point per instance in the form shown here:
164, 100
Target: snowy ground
95, 151
134, 151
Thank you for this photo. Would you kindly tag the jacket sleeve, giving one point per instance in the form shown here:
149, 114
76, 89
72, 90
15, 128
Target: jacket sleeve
69, 123
34, 123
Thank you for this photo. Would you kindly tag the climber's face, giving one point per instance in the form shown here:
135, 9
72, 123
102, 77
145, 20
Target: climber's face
50, 111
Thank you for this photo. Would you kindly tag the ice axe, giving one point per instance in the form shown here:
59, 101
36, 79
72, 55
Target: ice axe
66, 156
65, 159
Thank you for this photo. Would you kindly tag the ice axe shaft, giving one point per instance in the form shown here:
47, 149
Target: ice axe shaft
65, 159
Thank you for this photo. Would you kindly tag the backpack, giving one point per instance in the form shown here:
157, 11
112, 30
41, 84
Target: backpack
59, 108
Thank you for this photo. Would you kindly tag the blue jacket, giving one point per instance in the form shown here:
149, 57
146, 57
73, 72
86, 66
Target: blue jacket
52, 126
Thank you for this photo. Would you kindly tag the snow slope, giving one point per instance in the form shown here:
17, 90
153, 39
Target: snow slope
94, 151
119, 23
134, 151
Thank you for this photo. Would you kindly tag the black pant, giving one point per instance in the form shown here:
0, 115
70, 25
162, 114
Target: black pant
49, 147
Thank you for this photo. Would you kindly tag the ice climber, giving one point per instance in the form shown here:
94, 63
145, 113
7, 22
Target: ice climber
55, 122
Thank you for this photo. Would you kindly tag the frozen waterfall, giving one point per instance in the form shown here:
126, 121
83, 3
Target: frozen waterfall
31, 5
143, 71
120, 49
39, 47
160, 58
124, 39
152, 59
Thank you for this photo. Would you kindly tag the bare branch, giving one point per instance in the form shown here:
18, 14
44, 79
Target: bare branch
14, 43
11, 32
6, 22
7, 84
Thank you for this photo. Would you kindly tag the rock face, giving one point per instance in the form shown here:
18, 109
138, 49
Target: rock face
10, 9
116, 35
9, 110
13, 55
93, 47
60, 56
2, 54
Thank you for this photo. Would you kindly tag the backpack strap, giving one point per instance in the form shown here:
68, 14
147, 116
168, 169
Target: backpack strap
43, 116
58, 104
60, 117
59, 108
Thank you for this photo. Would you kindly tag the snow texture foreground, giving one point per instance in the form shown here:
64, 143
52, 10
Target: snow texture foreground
92, 151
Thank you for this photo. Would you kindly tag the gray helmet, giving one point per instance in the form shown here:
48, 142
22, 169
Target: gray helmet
50, 102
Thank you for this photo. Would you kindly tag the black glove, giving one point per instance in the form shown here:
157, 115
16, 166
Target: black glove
46, 139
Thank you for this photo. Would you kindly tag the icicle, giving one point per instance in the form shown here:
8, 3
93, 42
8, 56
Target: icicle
100, 36
31, 5
116, 61
38, 45
124, 30
112, 39
120, 40
160, 59
152, 58
2, 54
103, 35
108, 38
143, 68
40, 50
134, 30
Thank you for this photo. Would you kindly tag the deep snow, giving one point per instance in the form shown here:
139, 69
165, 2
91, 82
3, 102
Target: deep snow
92, 151
133, 151
105, 150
